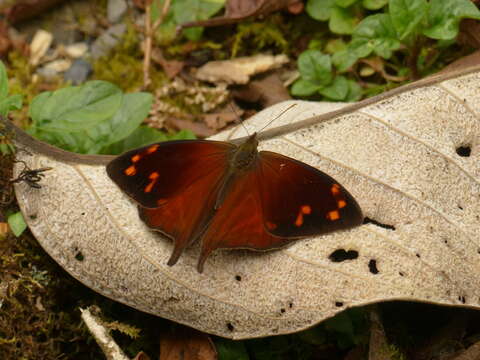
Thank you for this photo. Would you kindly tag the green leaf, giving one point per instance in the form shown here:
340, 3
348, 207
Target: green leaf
3, 81
303, 87
375, 33
231, 350
7, 103
320, 9
342, 21
195, 10
12, 102
444, 17
407, 15
337, 90
134, 110
76, 107
355, 91
17, 223
315, 67
64, 125
344, 3
344, 59
374, 4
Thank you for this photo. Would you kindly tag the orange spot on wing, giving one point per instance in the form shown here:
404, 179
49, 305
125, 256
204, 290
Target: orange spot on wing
306, 209
152, 149
130, 171
341, 203
271, 226
333, 215
299, 219
153, 176
335, 189
135, 158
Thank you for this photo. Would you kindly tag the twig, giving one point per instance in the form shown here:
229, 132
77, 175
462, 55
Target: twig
109, 347
149, 31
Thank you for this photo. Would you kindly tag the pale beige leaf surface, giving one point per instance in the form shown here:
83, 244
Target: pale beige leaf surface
395, 153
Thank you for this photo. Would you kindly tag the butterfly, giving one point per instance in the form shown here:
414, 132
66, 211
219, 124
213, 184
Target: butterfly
230, 197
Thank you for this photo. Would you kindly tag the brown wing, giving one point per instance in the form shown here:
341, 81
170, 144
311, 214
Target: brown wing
300, 200
176, 183
275, 202
239, 222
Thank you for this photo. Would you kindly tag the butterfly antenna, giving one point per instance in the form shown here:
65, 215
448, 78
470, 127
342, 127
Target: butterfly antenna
239, 120
276, 117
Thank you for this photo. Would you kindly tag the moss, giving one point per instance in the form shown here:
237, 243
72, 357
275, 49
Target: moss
259, 35
124, 65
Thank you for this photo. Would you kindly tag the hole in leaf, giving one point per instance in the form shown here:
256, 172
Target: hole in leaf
79, 256
238, 278
290, 305
230, 327
462, 299
282, 310
464, 151
372, 266
338, 304
32, 216
340, 255
367, 220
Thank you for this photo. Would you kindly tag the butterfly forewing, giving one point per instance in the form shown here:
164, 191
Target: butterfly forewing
299, 200
153, 174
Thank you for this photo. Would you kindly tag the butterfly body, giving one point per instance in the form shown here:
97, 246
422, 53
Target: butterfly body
229, 196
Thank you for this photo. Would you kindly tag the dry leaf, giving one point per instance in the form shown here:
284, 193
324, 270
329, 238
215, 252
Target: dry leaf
266, 91
186, 344
396, 153
237, 10
239, 70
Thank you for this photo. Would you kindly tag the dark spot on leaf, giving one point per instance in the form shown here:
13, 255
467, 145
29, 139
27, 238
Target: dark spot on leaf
230, 327
372, 266
460, 207
83, 213
463, 151
290, 305
417, 255
79, 256
340, 255
401, 273
367, 220
238, 278
338, 304
282, 310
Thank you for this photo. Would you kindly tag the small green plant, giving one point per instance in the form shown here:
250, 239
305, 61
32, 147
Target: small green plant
407, 33
7, 103
317, 77
94, 118
17, 224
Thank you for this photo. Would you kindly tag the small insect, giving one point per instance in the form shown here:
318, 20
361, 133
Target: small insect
29, 176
